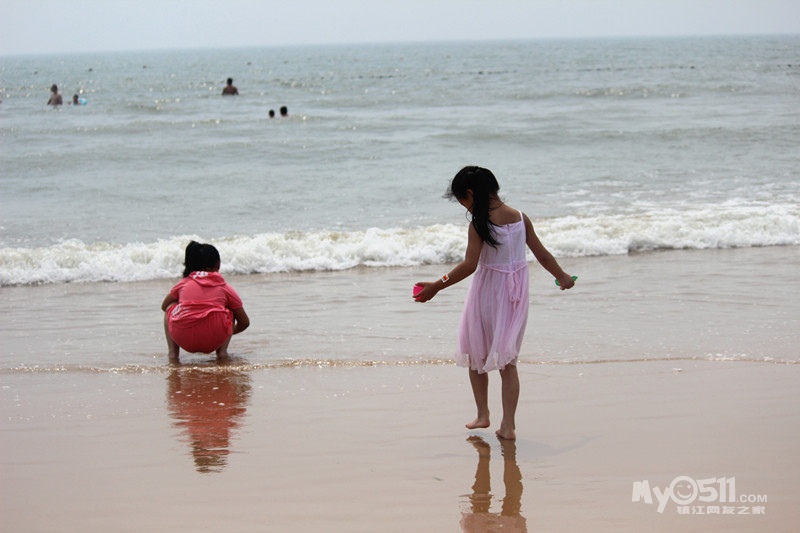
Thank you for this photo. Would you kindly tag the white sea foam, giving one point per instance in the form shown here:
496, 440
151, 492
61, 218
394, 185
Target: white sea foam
724, 226
704, 227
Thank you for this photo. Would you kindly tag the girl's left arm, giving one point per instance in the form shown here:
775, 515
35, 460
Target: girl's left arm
544, 257
242, 320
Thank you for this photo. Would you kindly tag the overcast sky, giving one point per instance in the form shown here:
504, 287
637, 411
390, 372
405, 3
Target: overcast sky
50, 26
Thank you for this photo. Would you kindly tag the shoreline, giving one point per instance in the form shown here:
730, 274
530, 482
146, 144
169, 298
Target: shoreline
718, 304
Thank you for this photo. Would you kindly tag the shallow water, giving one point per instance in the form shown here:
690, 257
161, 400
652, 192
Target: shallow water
702, 304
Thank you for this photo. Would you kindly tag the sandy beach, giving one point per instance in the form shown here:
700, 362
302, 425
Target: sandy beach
383, 448
332, 419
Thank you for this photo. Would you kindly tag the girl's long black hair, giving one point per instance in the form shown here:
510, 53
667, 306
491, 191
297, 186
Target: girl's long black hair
484, 187
200, 257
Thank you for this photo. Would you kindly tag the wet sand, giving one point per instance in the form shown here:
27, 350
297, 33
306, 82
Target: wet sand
383, 448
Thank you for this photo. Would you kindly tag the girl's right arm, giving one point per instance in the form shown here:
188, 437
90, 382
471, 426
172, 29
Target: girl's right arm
460, 272
169, 300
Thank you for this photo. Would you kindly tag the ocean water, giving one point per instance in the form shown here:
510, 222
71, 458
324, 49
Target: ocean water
612, 147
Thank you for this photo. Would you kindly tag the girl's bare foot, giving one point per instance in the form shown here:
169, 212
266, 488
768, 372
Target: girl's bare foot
506, 434
480, 422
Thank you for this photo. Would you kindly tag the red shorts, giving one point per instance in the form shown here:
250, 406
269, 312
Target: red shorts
203, 335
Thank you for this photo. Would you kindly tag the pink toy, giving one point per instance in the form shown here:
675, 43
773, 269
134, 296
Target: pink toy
417, 289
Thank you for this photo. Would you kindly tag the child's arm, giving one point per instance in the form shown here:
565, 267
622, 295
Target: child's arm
169, 300
460, 272
242, 320
545, 258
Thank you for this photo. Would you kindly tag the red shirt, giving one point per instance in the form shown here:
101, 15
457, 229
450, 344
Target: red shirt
201, 293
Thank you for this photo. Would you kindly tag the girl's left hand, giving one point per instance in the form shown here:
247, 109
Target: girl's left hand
566, 282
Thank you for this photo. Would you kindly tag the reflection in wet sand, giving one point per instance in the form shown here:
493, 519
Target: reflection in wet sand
479, 518
207, 403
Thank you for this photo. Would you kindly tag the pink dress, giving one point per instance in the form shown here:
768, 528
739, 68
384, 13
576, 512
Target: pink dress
496, 309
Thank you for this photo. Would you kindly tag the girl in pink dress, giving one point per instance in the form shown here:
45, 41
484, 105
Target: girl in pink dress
496, 309
202, 312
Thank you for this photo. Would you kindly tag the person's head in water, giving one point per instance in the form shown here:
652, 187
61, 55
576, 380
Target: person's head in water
200, 257
230, 88
475, 188
284, 111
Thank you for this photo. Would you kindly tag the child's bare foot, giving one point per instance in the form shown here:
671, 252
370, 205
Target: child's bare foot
222, 356
480, 422
173, 357
506, 434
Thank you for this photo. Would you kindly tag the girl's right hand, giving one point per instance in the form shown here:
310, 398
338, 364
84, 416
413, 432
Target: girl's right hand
428, 291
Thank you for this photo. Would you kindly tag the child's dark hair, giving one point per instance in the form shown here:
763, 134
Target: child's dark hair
484, 187
200, 257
